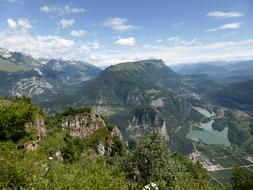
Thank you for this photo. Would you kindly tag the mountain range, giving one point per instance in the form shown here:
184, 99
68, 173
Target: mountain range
137, 96
41, 79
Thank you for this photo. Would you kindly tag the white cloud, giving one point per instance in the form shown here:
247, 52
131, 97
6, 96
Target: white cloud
58, 47
22, 24
202, 52
95, 45
12, 24
49, 46
224, 15
84, 48
146, 46
65, 23
78, 33
177, 41
61, 10
38, 46
126, 41
119, 24
230, 26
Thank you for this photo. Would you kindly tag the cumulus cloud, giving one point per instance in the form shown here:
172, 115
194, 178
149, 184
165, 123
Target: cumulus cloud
49, 46
61, 10
65, 23
78, 33
12, 24
126, 41
38, 46
224, 15
119, 24
22, 24
53, 46
230, 26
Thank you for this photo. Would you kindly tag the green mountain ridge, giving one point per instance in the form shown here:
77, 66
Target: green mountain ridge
132, 90
237, 96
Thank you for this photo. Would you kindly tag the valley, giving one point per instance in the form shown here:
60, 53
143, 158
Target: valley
126, 95
147, 96
205, 132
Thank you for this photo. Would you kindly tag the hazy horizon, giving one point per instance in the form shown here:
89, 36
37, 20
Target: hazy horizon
105, 33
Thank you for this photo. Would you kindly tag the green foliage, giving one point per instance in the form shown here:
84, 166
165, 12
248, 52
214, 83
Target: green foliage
196, 116
76, 167
96, 137
72, 111
10, 174
152, 161
240, 130
30, 170
72, 149
14, 117
235, 96
242, 179
239, 133
219, 124
118, 147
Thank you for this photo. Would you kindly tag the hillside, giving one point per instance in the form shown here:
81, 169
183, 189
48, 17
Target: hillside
42, 79
15, 61
237, 96
137, 96
79, 143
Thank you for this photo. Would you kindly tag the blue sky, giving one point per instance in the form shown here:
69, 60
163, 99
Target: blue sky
113, 31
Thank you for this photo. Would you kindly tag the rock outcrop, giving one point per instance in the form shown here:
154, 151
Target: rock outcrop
146, 118
92, 128
82, 125
38, 126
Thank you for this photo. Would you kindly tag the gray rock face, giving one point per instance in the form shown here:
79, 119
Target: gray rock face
40, 127
32, 87
146, 119
101, 149
83, 125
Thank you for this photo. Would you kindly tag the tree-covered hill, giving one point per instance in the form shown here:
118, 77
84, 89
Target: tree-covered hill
237, 96
128, 93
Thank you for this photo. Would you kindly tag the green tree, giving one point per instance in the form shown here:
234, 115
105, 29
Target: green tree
13, 118
242, 179
152, 161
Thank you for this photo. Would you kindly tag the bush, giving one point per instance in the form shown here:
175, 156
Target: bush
152, 161
13, 118
242, 179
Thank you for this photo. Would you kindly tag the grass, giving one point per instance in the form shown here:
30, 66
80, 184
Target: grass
223, 176
229, 161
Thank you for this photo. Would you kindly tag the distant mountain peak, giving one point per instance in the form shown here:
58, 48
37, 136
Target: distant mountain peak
5, 53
